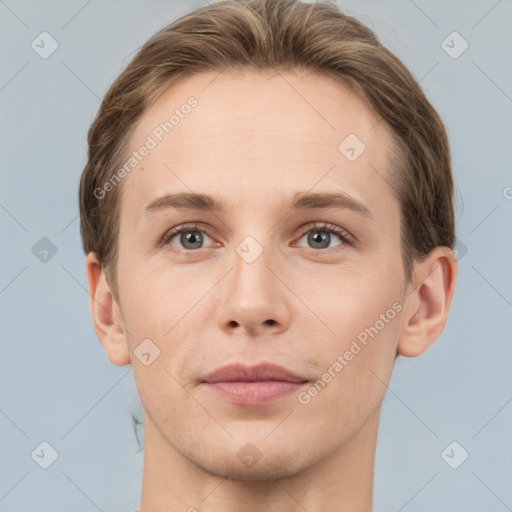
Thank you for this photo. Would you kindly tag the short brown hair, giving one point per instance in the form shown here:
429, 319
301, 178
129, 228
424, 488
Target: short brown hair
277, 35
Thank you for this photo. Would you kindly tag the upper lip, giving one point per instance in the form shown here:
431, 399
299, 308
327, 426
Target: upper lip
261, 372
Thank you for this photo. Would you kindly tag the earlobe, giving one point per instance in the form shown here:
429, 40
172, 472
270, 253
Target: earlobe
428, 301
106, 315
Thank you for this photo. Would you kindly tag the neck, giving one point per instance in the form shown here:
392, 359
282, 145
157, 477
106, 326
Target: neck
342, 481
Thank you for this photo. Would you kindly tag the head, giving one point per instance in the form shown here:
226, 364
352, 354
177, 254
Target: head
293, 119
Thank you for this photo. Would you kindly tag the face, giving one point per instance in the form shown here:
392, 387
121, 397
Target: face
268, 276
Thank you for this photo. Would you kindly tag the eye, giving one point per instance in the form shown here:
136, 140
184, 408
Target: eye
191, 237
320, 236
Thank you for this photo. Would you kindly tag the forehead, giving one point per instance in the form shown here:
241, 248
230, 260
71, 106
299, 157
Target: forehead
239, 132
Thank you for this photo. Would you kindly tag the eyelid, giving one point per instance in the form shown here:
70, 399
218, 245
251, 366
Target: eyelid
186, 227
344, 235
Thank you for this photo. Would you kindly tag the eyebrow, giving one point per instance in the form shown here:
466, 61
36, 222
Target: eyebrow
306, 201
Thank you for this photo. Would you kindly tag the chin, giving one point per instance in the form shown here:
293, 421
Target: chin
265, 469
261, 472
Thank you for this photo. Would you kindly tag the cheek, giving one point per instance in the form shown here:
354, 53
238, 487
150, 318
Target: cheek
154, 299
166, 313
354, 379
358, 359
355, 299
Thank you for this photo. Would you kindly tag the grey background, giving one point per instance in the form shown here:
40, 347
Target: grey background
56, 384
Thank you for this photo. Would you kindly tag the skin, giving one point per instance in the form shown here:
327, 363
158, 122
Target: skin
255, 144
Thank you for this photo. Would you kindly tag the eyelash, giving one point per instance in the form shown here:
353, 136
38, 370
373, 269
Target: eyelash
344, 236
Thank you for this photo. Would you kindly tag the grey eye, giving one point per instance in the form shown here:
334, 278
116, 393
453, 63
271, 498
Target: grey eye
191, 239
319, 239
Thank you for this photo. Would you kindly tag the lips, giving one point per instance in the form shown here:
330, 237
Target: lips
259, 373
253, 385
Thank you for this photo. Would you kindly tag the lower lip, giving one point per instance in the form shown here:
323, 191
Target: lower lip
254, 393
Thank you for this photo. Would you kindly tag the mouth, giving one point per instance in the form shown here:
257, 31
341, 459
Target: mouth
253, 385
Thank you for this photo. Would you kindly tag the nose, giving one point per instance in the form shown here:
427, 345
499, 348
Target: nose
253, 300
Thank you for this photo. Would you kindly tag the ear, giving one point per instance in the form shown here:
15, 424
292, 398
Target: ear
106, 314
428, 301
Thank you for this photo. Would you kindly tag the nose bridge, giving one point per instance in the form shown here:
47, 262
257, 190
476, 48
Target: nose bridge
251, 296
253, 250
251, 280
